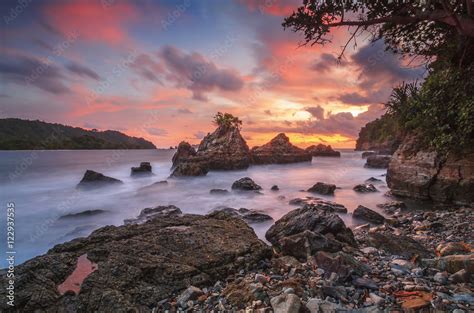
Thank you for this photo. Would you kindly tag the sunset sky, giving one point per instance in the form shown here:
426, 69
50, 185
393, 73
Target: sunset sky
161, 70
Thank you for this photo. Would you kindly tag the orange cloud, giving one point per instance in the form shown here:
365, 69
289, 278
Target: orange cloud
93, 20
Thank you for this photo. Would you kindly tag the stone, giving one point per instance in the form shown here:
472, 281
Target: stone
367, 214
92, 180
218, 191
312, 219
378, 161
305, 244
246, 184
279, 151
321, 150
450, 248
138, 264
441, 277
323, 188
398, 245
339, 263
369, 250
376, 299
452, 263
249, 216
144, 169
366, 154
190, 169
322, 306
373, 180
151, 213
274, 188
183, 153
428, 175
319, 204
191, 293
286, 303
461, 276
365, 188
391, 207
365, 283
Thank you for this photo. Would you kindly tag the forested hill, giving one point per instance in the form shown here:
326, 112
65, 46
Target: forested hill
383, 134
18, 134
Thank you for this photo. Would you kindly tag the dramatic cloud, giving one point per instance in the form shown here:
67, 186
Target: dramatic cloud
82, 70
147, 68
272, 7
325, 63
27, 71
197, 74
317, 112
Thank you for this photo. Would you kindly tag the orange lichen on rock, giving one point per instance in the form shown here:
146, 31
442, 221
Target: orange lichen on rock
74, 281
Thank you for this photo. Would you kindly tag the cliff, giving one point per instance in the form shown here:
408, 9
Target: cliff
383, 135
18, 134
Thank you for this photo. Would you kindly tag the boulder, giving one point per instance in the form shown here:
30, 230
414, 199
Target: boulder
452, 263
218, 191
307, 243
450, 248
190, 169
279, 151
93, 180
423, 174
249, 216
191, 293
320, 204
367, 214
378, 161
151, 213
137, 265
398, 245
323, 188
143, 169
365, 188
322, 150
246, 184
312, 219
366, 154
275, 188
286, 303
340, 263
183, 153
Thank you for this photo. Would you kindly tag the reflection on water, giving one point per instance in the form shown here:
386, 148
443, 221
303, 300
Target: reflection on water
42, 185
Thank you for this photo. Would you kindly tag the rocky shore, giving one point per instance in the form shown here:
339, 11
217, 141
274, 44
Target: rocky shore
166, 261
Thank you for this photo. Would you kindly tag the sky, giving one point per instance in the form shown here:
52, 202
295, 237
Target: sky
162, 69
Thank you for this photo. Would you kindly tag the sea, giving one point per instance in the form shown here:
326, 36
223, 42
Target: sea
39, 187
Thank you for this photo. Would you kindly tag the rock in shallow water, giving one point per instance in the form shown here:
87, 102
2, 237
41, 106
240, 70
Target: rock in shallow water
378, 161
365, 188
246, 184
143, 169
93, 180
250, 216
138, 265
279, 151
323, 188
367, 214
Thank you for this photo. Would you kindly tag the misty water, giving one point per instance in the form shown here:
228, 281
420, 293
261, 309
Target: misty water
42, 186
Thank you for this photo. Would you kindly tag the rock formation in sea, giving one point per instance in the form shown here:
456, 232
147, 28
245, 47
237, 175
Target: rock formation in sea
92, 180
224, 149
423, 174
279, 150
321, 150
144, 169
378, 161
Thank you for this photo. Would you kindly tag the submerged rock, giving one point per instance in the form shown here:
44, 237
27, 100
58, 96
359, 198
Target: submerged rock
143, 169
323, 188
275, 188
137, 265
151, 213
218, 191
85, 213
246, 184
322, 150
369, 215
378, 161
93, 180
365, 188
279, 151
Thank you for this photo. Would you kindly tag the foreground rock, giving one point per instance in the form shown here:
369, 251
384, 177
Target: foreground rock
367, 214
143, 169
151, 213
378, 161
323, 188
246, 184
417, 173
93, 180
137, 265
365, 188
250, 216
279, 151
224, 149
319, 204
322, 151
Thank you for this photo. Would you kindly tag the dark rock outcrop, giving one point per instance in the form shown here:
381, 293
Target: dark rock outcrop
319, 204
367, 214
190, 169
421, 174
184, 152
137, 265
312, 219
143, 169
246, 184
322, 151
365, 188
85, 213
323, 188
151, 213
383, 135
93, 180
378, 161
398, 245
250, 216
279, 151
218, 191
305, 244
366, 154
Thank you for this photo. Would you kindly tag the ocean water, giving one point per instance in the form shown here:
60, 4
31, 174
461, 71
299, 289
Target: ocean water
41, 184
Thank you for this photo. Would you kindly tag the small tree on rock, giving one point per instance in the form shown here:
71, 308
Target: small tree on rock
227, 120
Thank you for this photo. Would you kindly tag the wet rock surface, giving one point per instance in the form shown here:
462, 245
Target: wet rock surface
369, 215
321, 150
279, 151
319, 204
365, 188
93, 180
378, 161
145, 168
249, 216
245, 184
323, 188
138, 266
